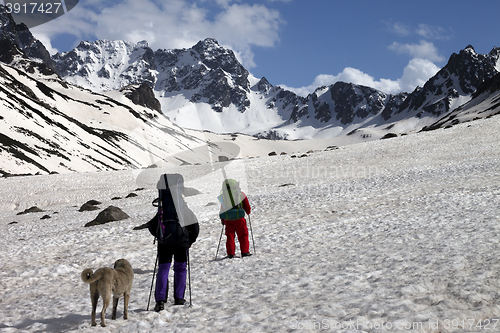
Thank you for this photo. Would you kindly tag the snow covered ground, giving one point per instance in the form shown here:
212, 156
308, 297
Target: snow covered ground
394, 235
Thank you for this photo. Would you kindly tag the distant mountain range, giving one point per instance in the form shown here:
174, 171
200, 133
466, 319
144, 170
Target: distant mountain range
102, 106
207, 83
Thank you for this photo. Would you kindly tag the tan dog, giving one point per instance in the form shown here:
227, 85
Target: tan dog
106, 281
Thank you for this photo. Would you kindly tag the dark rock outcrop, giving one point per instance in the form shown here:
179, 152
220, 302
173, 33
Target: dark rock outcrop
142, 95
89, 206
110, 214
32, 53
33, 209
355, 101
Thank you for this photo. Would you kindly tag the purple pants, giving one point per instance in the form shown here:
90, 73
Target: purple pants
161, 291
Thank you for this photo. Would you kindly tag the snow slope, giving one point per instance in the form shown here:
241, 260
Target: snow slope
400, 235
47, 126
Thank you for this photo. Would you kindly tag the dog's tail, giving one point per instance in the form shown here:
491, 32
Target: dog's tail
88, 276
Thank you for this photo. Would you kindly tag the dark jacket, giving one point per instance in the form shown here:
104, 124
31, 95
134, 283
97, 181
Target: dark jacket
192, 227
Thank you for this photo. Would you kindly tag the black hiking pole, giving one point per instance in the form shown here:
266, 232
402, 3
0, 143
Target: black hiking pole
251, 232
160, 213
189, 280
220, 238
152, 281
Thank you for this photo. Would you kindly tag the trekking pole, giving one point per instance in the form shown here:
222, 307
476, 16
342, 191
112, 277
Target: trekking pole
251, 232
189, 279
152, 281
220, 238
160, 213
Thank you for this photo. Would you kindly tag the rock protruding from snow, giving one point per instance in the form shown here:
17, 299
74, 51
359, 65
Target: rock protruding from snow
33, 209
89, 206
110, 214
142, 95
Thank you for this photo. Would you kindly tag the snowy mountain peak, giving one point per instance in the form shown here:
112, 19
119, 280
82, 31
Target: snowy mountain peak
343, 104
24, 51
7, 24
206, 87
107, 65
264, 86
494, 52
142, 44
452, 86
215, 56
102, 50
470, 49
48, 125
208, 45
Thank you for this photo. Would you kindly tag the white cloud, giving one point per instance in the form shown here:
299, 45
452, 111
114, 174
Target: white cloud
175, 24
423, 30
416, 73
45, 40
431, 32
419, 69
424, 50
243, 26
72, 23
400, 29
223, 3
349, 75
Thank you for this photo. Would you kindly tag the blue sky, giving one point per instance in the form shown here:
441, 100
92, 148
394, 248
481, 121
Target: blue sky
299, 44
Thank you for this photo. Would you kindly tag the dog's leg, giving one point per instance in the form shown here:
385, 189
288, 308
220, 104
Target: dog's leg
94, 296
126, 296
115, 305
106, 299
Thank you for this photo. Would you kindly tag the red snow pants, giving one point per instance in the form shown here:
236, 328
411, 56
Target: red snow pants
240, 228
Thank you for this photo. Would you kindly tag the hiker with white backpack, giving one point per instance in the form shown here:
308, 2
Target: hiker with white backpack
234, 205
175, 228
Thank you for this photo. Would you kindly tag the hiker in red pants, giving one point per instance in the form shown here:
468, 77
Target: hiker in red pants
234, 205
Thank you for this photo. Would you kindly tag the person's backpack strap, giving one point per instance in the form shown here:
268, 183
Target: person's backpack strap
231, 199
179, 202
159, 226
230, 194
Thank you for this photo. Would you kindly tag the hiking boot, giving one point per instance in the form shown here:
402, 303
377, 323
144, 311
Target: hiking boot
230, 256
180, 301
246, 254
160, 305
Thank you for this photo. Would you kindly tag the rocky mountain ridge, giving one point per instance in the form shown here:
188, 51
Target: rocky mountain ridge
209, 79
50, 126
20, 47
